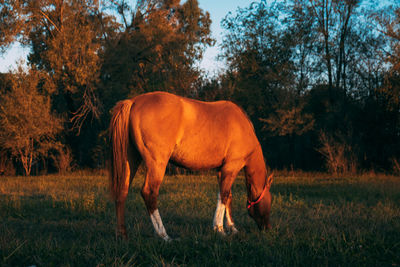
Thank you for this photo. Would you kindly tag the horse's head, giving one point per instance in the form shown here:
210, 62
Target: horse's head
260, 208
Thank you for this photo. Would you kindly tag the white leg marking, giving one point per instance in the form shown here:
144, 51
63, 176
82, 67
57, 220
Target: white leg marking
158, 225
218, 223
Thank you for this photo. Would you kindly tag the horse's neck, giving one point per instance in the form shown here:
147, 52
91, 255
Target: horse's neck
255, 173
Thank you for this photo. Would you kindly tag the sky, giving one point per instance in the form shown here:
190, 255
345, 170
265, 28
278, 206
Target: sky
218, 9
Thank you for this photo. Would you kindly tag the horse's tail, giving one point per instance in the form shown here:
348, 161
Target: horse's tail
119, 137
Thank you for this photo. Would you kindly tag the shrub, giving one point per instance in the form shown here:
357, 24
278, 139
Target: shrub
339, 156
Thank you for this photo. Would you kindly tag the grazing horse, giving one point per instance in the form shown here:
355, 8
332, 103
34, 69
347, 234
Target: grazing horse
159, 127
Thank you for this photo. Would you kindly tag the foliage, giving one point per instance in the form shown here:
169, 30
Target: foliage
259, 58
6, 164
156, 50
339, 156
297, 68
307, 67
290, 121
63, 160
65, 37
10, 23
390, 27
28, 127
93, 58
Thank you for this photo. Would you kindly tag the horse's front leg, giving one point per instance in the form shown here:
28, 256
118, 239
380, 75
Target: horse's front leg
218, 222
149, 192
229, 220
224, 203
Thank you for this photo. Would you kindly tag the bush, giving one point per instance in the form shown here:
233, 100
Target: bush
63, 160
338, 155
6, 165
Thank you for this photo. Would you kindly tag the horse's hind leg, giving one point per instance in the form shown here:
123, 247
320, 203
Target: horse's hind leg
154, 176
132, 166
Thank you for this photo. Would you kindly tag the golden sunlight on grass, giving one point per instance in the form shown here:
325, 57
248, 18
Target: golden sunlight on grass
316, 219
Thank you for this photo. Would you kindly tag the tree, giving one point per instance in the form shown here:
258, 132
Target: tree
10, 23
390, 27
306, 67
387, 96
28, 128
258, 55
264, 55
93, 58
67, 40
157, 48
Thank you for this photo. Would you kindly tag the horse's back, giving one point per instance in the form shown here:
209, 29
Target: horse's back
192, 133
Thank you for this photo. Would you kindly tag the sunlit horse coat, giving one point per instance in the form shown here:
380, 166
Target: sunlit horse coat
160, 127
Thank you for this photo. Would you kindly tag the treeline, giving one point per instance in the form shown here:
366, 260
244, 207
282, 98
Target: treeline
318, 78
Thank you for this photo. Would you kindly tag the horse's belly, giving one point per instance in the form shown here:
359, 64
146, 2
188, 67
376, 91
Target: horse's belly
197, 158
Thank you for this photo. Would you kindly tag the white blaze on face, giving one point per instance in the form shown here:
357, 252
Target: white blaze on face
158, 225
218, 222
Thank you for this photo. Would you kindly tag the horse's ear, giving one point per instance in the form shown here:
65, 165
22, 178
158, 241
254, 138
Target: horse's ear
270, 180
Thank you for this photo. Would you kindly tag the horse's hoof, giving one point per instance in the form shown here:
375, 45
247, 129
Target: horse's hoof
233, 230
220, 230
122, 235
167, 239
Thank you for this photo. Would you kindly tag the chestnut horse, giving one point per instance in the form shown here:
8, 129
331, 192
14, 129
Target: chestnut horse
160, 127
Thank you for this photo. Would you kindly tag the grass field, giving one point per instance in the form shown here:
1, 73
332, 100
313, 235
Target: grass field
317, 220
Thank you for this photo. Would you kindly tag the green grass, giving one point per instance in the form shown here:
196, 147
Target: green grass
317, 220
